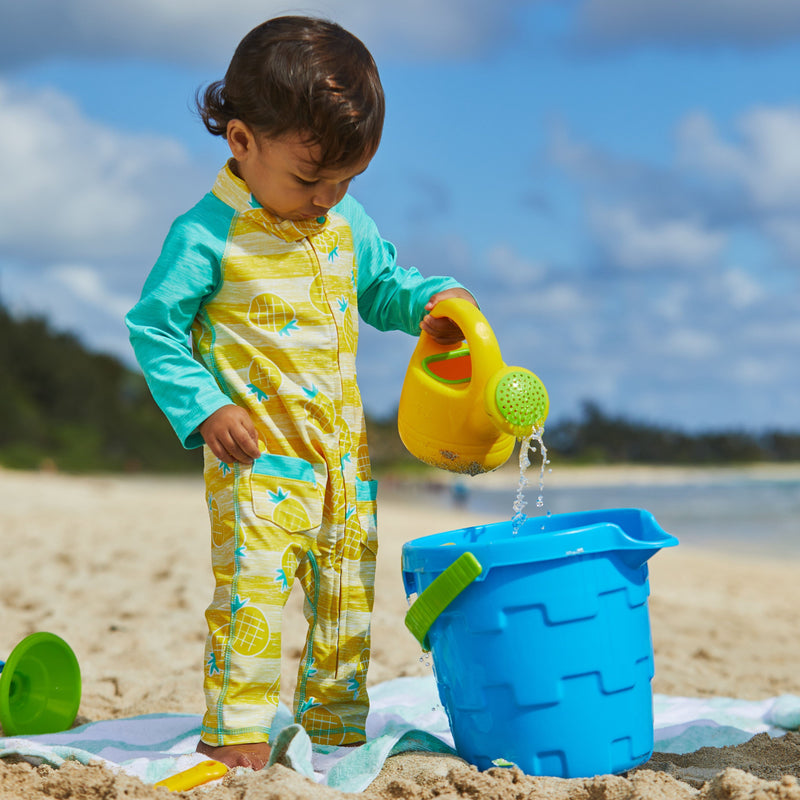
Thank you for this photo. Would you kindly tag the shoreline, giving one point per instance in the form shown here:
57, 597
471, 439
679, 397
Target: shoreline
602, 475
561, 474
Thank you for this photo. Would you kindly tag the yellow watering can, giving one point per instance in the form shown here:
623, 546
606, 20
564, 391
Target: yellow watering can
461, 408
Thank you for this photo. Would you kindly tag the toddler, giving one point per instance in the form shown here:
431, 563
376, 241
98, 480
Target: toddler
246, 331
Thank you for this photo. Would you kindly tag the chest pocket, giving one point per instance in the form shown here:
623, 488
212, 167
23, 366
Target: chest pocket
286, 492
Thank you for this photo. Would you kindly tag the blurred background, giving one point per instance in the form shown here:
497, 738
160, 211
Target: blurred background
618, 182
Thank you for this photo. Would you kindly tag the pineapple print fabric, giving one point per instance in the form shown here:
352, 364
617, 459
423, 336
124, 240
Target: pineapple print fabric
279, 335
273, 310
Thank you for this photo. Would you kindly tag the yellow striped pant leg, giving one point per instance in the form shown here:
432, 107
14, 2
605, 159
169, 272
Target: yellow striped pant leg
331, 701
254, 563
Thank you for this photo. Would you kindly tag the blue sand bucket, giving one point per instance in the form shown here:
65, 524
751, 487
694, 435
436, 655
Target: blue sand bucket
541, 639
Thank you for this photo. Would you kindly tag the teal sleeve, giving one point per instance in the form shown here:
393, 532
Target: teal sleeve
389, 297
186, 273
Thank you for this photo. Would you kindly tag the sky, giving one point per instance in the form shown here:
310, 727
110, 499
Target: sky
617, 181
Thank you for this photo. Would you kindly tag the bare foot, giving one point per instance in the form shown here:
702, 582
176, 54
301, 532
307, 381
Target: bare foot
254, 755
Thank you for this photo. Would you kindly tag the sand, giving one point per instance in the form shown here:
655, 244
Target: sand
118, 567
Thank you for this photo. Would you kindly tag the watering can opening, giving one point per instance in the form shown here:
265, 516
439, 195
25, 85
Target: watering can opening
454, 366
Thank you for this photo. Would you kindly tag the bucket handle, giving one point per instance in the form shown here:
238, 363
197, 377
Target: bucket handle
442, 591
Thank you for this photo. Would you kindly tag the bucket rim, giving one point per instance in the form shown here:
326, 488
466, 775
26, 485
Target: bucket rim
566, 535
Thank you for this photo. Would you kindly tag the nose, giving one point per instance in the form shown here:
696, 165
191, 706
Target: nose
328, 195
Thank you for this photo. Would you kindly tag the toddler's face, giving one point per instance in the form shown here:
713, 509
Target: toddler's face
283, 177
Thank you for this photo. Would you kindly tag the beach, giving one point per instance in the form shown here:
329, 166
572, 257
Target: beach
118, 567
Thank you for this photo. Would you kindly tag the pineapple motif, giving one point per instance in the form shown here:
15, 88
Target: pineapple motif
288, 511
217, 533
354, 684
272, 695
363, 464
363, 661
350, 331
265, 379
326, 726
353, 537
252, 634
345, 437
327, 241
273, 313
334, 503
284, 574
252, 631
316, 294
320, 410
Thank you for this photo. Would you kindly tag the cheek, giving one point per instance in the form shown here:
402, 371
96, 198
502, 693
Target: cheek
297, 195
288, 198
342, 190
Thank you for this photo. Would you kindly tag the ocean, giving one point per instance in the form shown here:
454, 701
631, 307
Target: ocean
735, 512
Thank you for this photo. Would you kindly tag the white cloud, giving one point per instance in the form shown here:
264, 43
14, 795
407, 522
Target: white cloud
690, 278
76, 189
691, 343
560, 299
760, 371
720, 187
760, 166
74, 297
785, 231
744, 23
511, 268
637, 243
764, 160
86, 284
206, 31
671, 302
740, 289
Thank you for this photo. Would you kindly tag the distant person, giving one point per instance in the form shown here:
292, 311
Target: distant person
460, 494
268, 275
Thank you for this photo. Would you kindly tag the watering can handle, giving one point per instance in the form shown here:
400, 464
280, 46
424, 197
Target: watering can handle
483, 346
442, 591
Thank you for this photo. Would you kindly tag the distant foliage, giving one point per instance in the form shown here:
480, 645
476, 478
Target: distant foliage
600, 438
66, 408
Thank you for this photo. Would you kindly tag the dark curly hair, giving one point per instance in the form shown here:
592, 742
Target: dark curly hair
301, 75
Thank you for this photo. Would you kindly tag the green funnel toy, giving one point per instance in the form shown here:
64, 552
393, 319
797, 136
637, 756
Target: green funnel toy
40, 686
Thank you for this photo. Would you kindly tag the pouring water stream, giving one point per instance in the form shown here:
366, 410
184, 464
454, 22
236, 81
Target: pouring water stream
525, 448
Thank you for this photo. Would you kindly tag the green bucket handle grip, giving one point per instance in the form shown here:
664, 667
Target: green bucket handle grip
442, 591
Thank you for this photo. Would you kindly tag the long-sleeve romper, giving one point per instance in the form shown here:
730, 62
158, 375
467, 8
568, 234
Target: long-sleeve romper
271, 307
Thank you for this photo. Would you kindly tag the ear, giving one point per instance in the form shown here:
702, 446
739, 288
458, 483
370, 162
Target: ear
240, 139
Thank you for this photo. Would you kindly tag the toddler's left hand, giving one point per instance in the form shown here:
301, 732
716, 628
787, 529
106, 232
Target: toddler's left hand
442, 329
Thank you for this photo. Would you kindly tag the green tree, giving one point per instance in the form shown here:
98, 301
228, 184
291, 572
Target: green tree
74, 409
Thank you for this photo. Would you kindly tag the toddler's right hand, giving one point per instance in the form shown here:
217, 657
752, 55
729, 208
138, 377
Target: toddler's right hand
231, 435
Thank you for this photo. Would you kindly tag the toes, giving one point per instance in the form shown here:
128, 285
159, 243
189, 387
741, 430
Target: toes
239, 759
